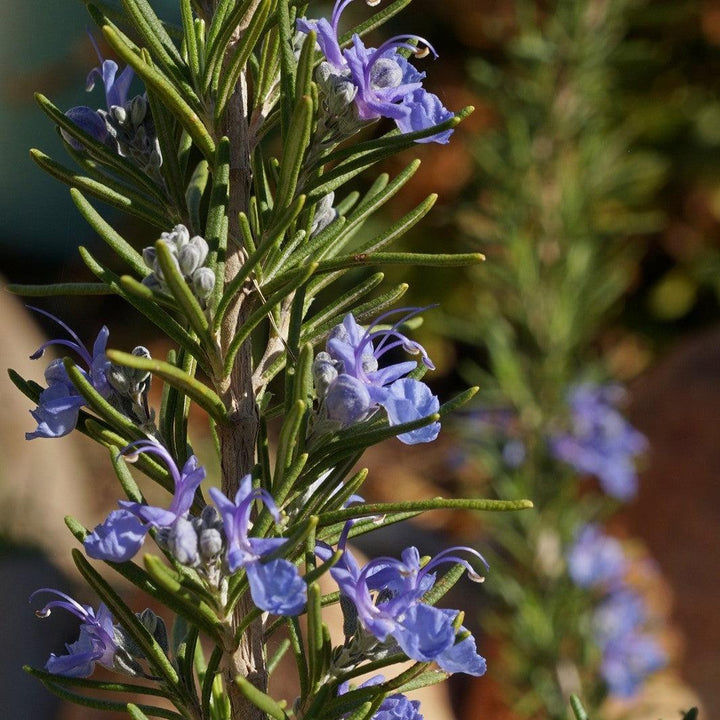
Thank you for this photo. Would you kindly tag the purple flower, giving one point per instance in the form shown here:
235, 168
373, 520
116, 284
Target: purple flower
387, 594
596, 559
59, 404
352, 385
123, 532
600, 441
275, 585
393, 707
96, 643
116, 95
379, 81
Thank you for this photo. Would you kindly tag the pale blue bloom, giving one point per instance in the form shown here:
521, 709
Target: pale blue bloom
123, 532
275, 585
352, 384
387, 594
630, 654
96, 643
596, 559
393, 707
59, 404
385, 83
600, 441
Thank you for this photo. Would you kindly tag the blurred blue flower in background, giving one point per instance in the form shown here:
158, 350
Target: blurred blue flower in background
600, 441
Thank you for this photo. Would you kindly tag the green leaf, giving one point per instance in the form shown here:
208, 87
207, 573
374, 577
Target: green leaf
59, 289
287, 66
339, 305
577, 708
392, 142
216, 229
227, 18
127, 201
175, 102
135, 712
195, 610
403, 258
287, 443
55, 684
153, 34
306, 64
260, 699
194, 389
295, 143
438, 503
187, 302
241, 53
119, 245
315, 637
191, 40
398, 228
195, 191
167, 131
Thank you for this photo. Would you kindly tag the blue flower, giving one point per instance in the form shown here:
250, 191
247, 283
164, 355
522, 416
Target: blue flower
116, 95
384, 83
628, 661
629, 653
393, 707
600, 441
95, 644
352, 385
387, 594
596, 559
59, 404
276, 585
123, 532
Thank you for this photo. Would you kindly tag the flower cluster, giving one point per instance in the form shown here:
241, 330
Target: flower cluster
95, 644
361, 84
201, 542
189, 255
59, 404
600, 441
351, 385
393, 707
126, 125
386, 597
629, 654
100, 639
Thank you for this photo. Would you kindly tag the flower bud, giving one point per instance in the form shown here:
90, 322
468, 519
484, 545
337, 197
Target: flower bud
324, 373
138, 110
182, 541
203, 281
192, 255
347, 400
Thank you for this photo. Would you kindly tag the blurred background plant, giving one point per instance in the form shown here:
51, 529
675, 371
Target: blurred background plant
589, 178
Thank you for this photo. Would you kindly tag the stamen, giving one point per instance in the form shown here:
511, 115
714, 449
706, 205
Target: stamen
373, 3
422, 52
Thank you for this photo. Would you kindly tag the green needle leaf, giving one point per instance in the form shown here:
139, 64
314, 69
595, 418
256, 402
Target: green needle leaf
127, 201
121, 247
173, 375
260, 699
438, 503
181, 291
